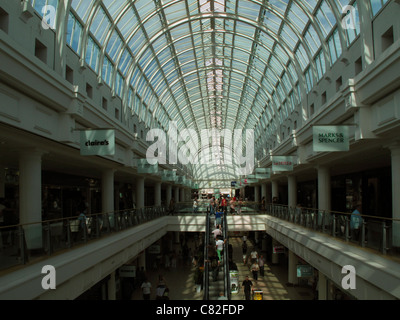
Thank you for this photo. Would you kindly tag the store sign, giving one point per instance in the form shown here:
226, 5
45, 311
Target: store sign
263, 173
282, 163
278, 249
154, 249
304, 271
127, 272
97, 142
145, 167
331, 138
181, 180
168, 175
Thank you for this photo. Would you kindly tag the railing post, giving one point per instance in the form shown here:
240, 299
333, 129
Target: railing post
346, 229
69, 233
334, 225
363, 223
384, 241
22, 244
49, 252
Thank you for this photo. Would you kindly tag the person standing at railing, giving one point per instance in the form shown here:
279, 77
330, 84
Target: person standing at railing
212, 206
356, 222
195, 205
263, 204
232, 205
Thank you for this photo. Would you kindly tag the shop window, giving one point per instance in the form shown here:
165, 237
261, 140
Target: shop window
358, 66
89, 90
339, 83
105, 104
4, 20
311, 109
69, 75
40, 51
387, 39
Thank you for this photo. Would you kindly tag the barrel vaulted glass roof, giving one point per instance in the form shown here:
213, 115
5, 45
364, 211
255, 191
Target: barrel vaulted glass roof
210, 64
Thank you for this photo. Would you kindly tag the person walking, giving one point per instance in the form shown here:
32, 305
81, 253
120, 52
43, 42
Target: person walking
254, 270
247, 287
261, 265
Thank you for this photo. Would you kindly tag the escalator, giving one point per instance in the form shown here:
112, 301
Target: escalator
216, 279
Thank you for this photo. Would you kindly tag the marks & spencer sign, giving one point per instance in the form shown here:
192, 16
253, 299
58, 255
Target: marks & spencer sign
330, 138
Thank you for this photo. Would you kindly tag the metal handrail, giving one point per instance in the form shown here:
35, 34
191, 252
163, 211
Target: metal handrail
375, 232
23, 242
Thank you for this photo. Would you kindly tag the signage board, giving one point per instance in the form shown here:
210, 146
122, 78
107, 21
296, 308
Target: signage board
304, 271
97, 142
282, 163
127, 271
145, 167
331, 138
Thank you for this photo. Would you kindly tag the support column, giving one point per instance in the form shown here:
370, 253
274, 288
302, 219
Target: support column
30, 196
142, 261
322, 286
275, 256
176, 194
140, 193
169, 194
292, 191
324, 188
2, 181
395, 150
264, 191
182, 194
112, 294
275, 189
292, 268
157, 194
107, 190
257, 194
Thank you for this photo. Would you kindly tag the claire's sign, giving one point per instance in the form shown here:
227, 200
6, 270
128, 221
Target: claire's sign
97, 142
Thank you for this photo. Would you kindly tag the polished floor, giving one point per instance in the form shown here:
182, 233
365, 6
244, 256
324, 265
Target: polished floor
180, 280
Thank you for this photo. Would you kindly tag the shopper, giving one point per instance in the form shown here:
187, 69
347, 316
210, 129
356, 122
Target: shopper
247, 288
195, 206
220, 247
146, 289
261, 263
356, 222
254, 270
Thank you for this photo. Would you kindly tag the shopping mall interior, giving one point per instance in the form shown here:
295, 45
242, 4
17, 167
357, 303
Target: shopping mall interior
128, 126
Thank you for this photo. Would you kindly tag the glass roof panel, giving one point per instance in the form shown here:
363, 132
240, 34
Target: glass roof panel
206, 64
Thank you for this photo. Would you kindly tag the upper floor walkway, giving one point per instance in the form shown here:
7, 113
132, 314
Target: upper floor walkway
117, 238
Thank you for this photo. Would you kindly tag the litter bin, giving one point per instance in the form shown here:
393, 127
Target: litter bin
257, 295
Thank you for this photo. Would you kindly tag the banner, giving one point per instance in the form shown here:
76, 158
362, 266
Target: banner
282, 163
145, 167
331, 138
97, 142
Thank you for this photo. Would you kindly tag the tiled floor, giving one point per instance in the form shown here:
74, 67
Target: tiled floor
273, 284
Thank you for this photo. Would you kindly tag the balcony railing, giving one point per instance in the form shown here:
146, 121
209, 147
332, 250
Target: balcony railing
373, 232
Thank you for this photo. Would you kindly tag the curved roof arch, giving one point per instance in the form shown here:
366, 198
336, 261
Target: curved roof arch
208, 64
